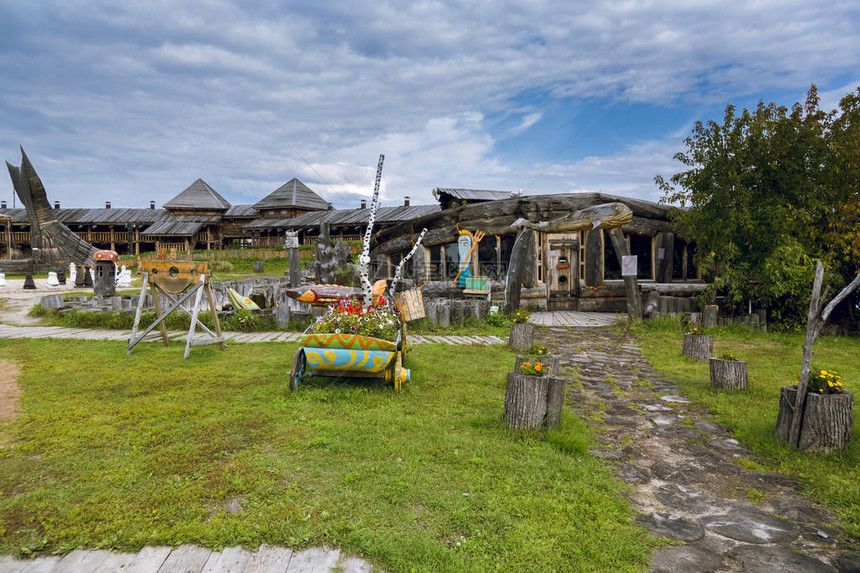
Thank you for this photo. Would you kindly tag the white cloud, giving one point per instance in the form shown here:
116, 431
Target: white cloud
132, 99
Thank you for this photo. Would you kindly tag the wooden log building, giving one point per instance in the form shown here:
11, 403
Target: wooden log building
574, 270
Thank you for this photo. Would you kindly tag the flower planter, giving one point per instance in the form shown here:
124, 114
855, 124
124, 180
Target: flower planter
534, 401
728, 374
350, 356
699, 347
828, 420
522, 335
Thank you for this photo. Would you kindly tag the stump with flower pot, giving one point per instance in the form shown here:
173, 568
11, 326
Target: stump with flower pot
817, 415
728, 373
535, 394
827, 424
698, 346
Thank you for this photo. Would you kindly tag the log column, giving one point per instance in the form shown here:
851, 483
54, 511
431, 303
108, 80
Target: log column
532, 402
522, 335
728, 374
698, 346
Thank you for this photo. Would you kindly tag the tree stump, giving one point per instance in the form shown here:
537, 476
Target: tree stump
698, 346
709, 316
522, 335
827, 422
533, 401
258, 266
728, 374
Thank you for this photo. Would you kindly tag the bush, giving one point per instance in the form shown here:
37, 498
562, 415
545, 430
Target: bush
221, 266
497, 319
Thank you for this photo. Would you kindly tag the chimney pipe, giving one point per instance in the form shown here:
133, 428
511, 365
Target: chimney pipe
56, 204
152, 204
107, 204
364, 203
406, 201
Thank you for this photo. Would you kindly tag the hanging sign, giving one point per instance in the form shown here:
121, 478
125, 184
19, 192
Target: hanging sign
629, 265
410, 303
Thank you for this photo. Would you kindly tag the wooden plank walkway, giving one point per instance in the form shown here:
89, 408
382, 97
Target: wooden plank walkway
557, 318
8, 331
571, 318
192, 559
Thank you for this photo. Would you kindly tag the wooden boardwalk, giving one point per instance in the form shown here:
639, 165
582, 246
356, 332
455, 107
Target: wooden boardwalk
192, 559
9, 331
557, 318
571, 318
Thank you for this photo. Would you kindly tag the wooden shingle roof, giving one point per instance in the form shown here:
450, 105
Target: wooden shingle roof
293, 193
200, 196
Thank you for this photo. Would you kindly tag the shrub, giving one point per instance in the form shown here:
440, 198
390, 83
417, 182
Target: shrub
221, 266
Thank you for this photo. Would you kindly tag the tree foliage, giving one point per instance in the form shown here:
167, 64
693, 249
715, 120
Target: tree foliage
766, 192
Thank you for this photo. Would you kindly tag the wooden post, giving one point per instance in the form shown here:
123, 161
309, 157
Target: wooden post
709, 316
522, 336
157, 305
522, 266
665, 257
699, 347
728, 374
631, 283
594, 258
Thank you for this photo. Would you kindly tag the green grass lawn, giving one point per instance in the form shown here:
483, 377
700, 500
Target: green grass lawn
773, 360
121, 451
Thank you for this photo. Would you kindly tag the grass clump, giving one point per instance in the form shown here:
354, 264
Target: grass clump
773, 360
120, 451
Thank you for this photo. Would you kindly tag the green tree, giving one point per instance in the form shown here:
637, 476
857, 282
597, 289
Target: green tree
766, 192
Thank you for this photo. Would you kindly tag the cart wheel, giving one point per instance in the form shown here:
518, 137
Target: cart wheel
298, 370
398, 371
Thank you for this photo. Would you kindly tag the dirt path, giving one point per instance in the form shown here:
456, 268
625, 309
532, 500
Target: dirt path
9, 391
687, 484
16, 302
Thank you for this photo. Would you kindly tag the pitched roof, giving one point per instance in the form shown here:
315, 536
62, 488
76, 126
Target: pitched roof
345, 217
199, 195
293, 193
181, 225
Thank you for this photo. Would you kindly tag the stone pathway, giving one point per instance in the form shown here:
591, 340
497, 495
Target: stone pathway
192, 559
9, 331
682, 467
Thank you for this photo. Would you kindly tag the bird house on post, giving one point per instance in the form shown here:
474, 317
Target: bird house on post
104, 281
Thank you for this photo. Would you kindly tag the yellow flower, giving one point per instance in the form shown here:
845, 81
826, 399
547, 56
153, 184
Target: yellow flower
823, 372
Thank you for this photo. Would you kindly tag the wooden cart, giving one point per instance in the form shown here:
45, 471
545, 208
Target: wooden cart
350, 356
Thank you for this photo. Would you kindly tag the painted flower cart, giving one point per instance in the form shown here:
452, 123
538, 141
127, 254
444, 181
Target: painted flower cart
351, 356
360, 339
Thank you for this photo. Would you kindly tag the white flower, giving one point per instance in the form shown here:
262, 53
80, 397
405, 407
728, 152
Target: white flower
337, 331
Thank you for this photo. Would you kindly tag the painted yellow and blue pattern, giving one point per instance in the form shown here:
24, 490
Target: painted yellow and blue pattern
348, 359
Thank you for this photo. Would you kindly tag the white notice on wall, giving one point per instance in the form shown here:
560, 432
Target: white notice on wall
629, 265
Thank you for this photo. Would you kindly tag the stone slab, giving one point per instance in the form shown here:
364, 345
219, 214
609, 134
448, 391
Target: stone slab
751, 526
758, 559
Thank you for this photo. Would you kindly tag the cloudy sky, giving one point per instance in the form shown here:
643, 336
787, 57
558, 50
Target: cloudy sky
132, 101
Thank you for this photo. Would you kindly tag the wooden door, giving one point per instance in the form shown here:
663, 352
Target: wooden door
562, 272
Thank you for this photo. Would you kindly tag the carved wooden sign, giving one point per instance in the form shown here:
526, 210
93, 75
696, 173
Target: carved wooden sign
410, 303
